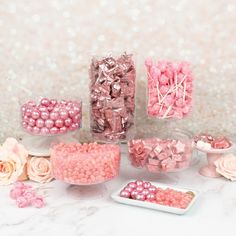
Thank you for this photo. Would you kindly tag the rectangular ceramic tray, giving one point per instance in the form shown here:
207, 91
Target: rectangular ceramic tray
115, 196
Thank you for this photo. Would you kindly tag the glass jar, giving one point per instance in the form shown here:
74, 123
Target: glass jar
112, 98
170, 89
169, 151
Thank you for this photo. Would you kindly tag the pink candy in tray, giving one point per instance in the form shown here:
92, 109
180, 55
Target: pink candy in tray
160, 155
85, 164
170, 87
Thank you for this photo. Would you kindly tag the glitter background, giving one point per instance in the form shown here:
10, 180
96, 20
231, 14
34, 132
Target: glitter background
46, 46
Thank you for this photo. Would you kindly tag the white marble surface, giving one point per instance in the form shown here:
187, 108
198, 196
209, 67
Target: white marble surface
67, 214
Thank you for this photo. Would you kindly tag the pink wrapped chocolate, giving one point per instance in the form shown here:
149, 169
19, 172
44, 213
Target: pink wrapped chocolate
170, 87
160, 155
85, 164
112, 97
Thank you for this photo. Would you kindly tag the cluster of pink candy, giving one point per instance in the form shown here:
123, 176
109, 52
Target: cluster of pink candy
145, 191
51, 117
215, 142
170, 88
85, 164
159, 155
25, 196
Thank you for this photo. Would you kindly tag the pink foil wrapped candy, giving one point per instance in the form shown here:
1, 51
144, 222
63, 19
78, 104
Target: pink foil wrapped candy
85, 164
51, 117
112, 97
170, 88
206, 140
159, 155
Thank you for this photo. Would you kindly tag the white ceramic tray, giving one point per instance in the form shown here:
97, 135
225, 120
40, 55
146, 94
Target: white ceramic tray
116, 197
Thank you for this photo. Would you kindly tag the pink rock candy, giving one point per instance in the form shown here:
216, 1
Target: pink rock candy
85, 164
169, 89
159, 155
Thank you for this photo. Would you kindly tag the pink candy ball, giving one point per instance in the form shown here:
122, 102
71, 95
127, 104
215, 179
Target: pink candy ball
54, 115
132, 185
54, 130
59, 123
39, 123
139, 183
49, 123
71, 113
31, 122
36, 130
53, 102
68, 122
45, 102
125, 194
35, 114
63, 130
63, 114
44, 115
44, 131
140, 197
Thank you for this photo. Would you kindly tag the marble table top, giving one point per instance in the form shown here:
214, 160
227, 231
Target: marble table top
69, 213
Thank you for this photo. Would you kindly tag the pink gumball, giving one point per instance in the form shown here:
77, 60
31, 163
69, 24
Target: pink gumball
36, 130
59, 123
139, 183
29, 129
50, 108
44, 115
31, 104
140, 197
140, 189
35, 114
53, 102
150, 196
41, 108
63, 114
45, 102
77, 109
26, 119
24, 124
145, 192
44, 131
125, 194
76, 118
73, 127
49, 123
128, 189
54, 115
68, 122
39, 123
146, 184
31, 122
132, 185
63, 102
152, 189
134, 193
28, 112
71, 113
63, 130
23, 108
54, 130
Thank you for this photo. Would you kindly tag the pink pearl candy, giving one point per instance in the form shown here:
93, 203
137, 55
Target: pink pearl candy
36, 130
125, 194
44, 115
44, 131
49, 123
63, 114
68, 122
45, 102
35, 114
54, 115
54, 130
59, 123
39, 123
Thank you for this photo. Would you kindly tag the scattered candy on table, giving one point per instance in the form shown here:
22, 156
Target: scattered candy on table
207, 141
145, 191
112, 97
51, 117
25, 196
170, 87
85, 164
159, 155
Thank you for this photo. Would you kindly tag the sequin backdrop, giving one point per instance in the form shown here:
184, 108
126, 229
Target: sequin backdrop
46, 46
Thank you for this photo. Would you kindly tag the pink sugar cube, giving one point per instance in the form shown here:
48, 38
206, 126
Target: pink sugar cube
170, 88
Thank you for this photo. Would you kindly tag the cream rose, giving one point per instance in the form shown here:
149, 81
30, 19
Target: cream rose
13, 157
40, 169
226, 166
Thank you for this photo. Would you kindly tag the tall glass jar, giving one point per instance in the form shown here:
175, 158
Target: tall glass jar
112, 98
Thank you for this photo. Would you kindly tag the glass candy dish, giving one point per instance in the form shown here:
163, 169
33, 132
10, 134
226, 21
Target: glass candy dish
170, 151
85, 164
49, 121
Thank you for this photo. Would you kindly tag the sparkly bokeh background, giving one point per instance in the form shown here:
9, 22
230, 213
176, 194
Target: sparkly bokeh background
46, 46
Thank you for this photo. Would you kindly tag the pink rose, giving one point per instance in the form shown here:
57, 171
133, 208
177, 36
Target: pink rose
13, 157
226, 166
40, 169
